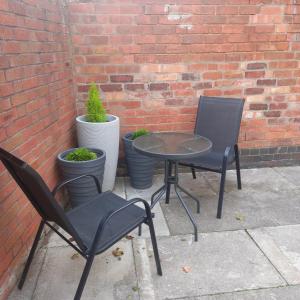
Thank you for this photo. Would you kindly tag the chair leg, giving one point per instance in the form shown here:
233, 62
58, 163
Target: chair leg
237, 166
140, 230
31, 254
84, 277
221, 193
193, 172
154, 245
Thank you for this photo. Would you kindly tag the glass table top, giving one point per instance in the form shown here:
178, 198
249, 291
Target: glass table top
172, 145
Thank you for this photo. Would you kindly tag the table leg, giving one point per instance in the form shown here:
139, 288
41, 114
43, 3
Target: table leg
188, 213
191, 196
176, 186
168, 167
165, 189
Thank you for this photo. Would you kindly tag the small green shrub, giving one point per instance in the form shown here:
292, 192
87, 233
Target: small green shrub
81, 154
95, 110
139, 132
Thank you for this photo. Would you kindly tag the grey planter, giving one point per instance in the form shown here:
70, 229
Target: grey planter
84, 189
140, 167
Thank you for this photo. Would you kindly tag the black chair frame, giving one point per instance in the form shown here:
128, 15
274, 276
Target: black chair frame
219, 120
88, 253
222, 171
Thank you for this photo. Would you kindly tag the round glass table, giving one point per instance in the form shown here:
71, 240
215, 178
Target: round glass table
173, 147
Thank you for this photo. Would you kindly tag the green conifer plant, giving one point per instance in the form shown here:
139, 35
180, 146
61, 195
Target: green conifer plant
95, 110
81, 154
139, 132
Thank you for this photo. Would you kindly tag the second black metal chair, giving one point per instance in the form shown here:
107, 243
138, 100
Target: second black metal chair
94, 226
219, 120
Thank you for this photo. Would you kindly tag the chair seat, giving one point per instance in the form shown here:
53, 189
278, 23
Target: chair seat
211, 160
87, 217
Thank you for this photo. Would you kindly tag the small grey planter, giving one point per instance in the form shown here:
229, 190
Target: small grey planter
84, 189
140, 167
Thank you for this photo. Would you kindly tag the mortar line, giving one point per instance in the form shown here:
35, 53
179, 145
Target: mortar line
135, 269
233, 292
39, 273
284, 177
246, 230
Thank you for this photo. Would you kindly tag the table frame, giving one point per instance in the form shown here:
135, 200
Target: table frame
169, 179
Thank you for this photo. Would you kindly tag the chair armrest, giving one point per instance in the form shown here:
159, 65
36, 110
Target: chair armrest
111, 214
225, 157
226, 152
60, 185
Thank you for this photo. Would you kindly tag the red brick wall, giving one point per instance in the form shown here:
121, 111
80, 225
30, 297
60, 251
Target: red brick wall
37, 110
154, 58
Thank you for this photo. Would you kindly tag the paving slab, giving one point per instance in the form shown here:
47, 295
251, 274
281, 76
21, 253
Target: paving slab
292, 174
282, 246
110, 278
32, 277
281, 293
218, 263
263, 179
242, 209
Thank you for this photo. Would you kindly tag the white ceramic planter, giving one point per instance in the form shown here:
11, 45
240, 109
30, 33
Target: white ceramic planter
104, 136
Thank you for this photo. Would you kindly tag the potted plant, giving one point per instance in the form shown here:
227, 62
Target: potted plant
140, 167
80, 161
100, 130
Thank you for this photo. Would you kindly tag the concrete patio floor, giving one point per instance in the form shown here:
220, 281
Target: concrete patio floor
253, 252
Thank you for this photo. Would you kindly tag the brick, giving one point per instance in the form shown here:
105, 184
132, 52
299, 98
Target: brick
156, 10
286, 82
146, 19
174, 102
256, 66
134, 87
212, 93
270, 10
203, 85
255, 74
158, 86
189, 76
180, 86
268, 82
212, 75
111, 87
258, 106
278, 106
121, 78
227, 10
272, 114
254, 91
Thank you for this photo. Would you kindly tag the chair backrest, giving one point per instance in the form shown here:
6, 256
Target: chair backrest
37, 193
219, 120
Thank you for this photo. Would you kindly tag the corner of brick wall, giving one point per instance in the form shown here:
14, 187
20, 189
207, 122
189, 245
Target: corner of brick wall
37, 111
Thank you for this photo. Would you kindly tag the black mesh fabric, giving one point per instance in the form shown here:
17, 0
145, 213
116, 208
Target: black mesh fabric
37, 192
87, 217
218, 119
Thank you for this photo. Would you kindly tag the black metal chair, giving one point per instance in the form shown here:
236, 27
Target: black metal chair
219, 120
94, 226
